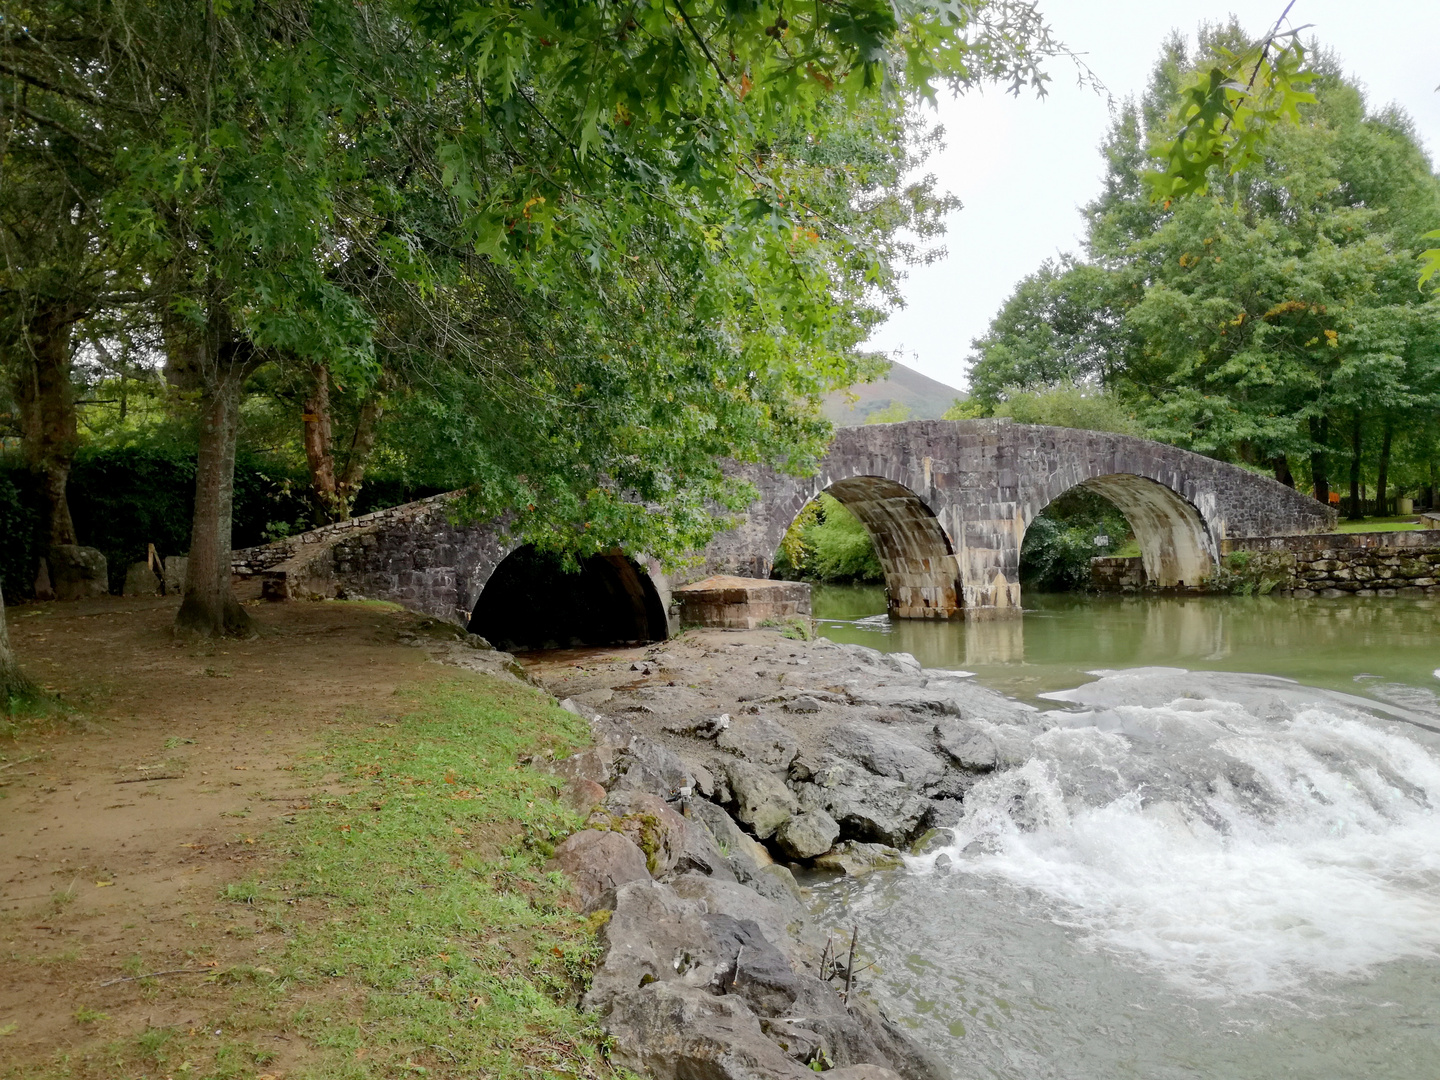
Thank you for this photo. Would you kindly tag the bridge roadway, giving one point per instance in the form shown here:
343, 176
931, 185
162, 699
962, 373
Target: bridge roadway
946, 502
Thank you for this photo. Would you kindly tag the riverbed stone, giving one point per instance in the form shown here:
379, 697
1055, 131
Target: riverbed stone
762, 800
871, 808
807, 834
651, 824
598, 862
761, 741
886, 753
855, 858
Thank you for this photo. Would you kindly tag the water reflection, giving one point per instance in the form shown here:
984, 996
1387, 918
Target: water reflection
1380, 646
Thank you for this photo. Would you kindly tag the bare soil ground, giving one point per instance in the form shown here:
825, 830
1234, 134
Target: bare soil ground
123, 821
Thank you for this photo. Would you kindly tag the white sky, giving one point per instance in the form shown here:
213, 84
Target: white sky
1024, 167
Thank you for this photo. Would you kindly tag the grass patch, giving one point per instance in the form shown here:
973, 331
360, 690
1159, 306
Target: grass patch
1392, 524
421, 934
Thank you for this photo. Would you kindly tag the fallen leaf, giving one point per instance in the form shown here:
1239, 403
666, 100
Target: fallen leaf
102, 884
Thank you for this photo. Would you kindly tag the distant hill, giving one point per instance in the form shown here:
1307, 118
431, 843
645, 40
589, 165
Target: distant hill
925, 397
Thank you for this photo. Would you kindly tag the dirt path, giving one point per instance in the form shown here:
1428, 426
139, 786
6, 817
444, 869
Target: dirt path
121, 826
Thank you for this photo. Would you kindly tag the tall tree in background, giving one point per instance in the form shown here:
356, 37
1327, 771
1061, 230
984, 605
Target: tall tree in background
1263, 318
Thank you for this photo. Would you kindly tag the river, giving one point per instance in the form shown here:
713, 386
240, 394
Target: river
1222, 859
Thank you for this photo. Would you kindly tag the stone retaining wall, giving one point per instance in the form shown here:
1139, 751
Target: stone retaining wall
1327, 564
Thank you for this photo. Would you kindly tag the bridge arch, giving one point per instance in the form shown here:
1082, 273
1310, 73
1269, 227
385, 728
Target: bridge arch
922, 579
1177, 546
529, 601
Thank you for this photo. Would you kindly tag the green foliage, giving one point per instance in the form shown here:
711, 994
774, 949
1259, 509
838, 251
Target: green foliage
19, 525
828, 543
1270, 319
1220, 122
1067, 405
1060, 542
590, 250
897, 412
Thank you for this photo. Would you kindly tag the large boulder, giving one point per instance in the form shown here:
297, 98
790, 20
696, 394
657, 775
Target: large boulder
807, 834
979, 746
176, 567
747, 858
878, 809
598, 862
140, 580
651, 825
885, 753
647, 766
670, 1031
78, 573
762, 800
760, 741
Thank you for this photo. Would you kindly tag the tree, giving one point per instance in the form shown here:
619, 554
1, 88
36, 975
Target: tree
14, 686
1260, 319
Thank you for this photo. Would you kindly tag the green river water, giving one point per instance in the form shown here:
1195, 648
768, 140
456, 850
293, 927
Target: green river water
1209, 872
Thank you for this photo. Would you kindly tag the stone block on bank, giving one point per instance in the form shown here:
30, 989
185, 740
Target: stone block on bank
140, 580
176, 567
78, 572
737, 603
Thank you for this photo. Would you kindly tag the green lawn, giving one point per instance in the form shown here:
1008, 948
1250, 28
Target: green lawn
1389, 524
412, 928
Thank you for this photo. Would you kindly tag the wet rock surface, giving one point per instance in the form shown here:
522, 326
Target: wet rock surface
725, 761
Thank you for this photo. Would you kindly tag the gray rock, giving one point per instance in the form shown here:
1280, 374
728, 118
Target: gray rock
674, 1032
140, 580
648, 766
176, 567
761, 741
653, 936
706, 728
777, 921
883, 751
902, 662
701, 853
751, 966
77, 572
747, 858
981, 746
651, 824
598, 863
913, 698
762, 800
807, 834
867, 807
855, 858
704, 780
803, 704
596, 764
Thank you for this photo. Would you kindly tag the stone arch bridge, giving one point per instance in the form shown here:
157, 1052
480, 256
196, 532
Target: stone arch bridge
946, 502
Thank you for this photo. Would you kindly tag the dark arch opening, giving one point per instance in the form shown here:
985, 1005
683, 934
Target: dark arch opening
530, 602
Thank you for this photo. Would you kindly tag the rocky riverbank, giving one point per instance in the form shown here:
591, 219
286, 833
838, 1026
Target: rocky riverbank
724, 762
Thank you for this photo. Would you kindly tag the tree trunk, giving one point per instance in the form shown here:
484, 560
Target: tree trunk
1357, 511
215, 363
335, 494
1382, 493
13, 684
1319, 474
319, 444
1281, 465
361, 444
46, 401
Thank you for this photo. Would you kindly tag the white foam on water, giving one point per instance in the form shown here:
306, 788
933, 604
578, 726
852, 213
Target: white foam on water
1249, 838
